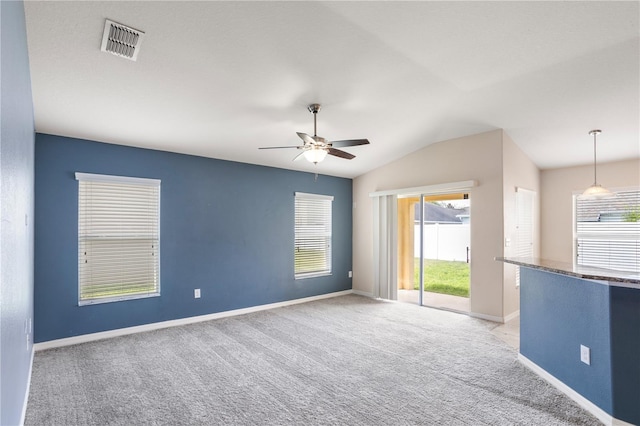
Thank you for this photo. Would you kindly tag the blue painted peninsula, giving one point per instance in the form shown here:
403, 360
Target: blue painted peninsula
580, 330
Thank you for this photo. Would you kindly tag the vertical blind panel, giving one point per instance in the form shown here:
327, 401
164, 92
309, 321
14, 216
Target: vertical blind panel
312, 235
608, 232
118, 239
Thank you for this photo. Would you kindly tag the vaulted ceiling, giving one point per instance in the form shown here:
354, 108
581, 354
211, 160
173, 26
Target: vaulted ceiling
220, 79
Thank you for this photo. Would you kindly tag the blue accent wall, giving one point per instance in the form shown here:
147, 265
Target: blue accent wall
625, 353
226, 228
16, 251
558, 313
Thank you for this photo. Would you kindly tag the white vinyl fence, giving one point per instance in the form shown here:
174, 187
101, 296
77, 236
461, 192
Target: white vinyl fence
443, 241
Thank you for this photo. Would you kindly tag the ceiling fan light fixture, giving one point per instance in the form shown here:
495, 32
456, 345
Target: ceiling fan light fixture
596, 191
315, 154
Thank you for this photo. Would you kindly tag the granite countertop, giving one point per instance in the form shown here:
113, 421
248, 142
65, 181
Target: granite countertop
579, 271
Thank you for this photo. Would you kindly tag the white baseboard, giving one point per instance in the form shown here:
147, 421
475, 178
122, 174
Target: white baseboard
486, 317
598, 412
26, 395
512, 315
177, 322
492, 318
362, 293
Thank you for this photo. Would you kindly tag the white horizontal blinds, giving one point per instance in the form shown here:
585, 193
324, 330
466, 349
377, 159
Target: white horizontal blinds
118, 238
524, 223
608, 231
312, 235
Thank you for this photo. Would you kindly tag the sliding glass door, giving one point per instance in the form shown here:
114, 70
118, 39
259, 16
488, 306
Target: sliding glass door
434, 250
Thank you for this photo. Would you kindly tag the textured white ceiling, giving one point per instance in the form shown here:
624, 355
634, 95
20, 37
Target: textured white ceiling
220, 79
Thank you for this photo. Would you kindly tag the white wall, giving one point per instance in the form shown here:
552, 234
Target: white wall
499, 166
518, 171
557, 187
477, 157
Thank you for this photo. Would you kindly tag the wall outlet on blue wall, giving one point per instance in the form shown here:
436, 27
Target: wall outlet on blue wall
585, 354
350, 274
196, 293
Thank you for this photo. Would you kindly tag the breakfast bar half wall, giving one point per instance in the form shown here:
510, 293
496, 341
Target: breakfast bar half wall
580, 330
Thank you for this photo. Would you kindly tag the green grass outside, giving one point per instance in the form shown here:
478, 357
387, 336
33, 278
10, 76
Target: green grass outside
442, 276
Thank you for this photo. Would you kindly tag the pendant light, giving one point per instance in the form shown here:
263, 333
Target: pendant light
596, 190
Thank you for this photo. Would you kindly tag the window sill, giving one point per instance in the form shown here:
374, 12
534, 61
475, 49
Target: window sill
116, 299
312, 275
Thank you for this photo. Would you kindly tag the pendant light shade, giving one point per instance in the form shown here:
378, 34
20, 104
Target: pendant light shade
315, 154
596, 190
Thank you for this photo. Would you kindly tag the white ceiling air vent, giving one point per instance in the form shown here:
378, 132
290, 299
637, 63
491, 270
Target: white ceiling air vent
121, 40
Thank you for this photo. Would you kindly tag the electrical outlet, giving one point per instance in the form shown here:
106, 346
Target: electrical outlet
350, 274
585, 354
196, 293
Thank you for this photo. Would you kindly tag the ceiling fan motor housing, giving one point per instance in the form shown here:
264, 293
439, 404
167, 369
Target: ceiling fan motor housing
314, 108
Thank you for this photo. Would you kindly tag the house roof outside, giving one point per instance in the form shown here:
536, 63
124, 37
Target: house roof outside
435, 213
616, 209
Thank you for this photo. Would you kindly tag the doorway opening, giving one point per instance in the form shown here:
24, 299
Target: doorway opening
434, 251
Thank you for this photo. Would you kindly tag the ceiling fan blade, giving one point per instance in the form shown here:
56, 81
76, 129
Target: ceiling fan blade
298, 157
280, 147
306, 138
350, 142
341, 154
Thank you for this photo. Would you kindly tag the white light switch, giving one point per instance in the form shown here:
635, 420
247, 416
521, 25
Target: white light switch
196, 293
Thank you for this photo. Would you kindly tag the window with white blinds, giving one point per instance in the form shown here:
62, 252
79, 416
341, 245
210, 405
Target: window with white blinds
118, 238
608, 231
312, 235
525, 200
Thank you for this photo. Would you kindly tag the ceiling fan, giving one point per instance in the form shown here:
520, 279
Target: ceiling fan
315, 148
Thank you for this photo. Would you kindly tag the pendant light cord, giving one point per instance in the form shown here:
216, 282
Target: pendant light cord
595, 133
595, 180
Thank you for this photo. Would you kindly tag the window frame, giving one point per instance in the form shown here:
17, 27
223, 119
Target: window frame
328, 228
155, 235
614, 235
